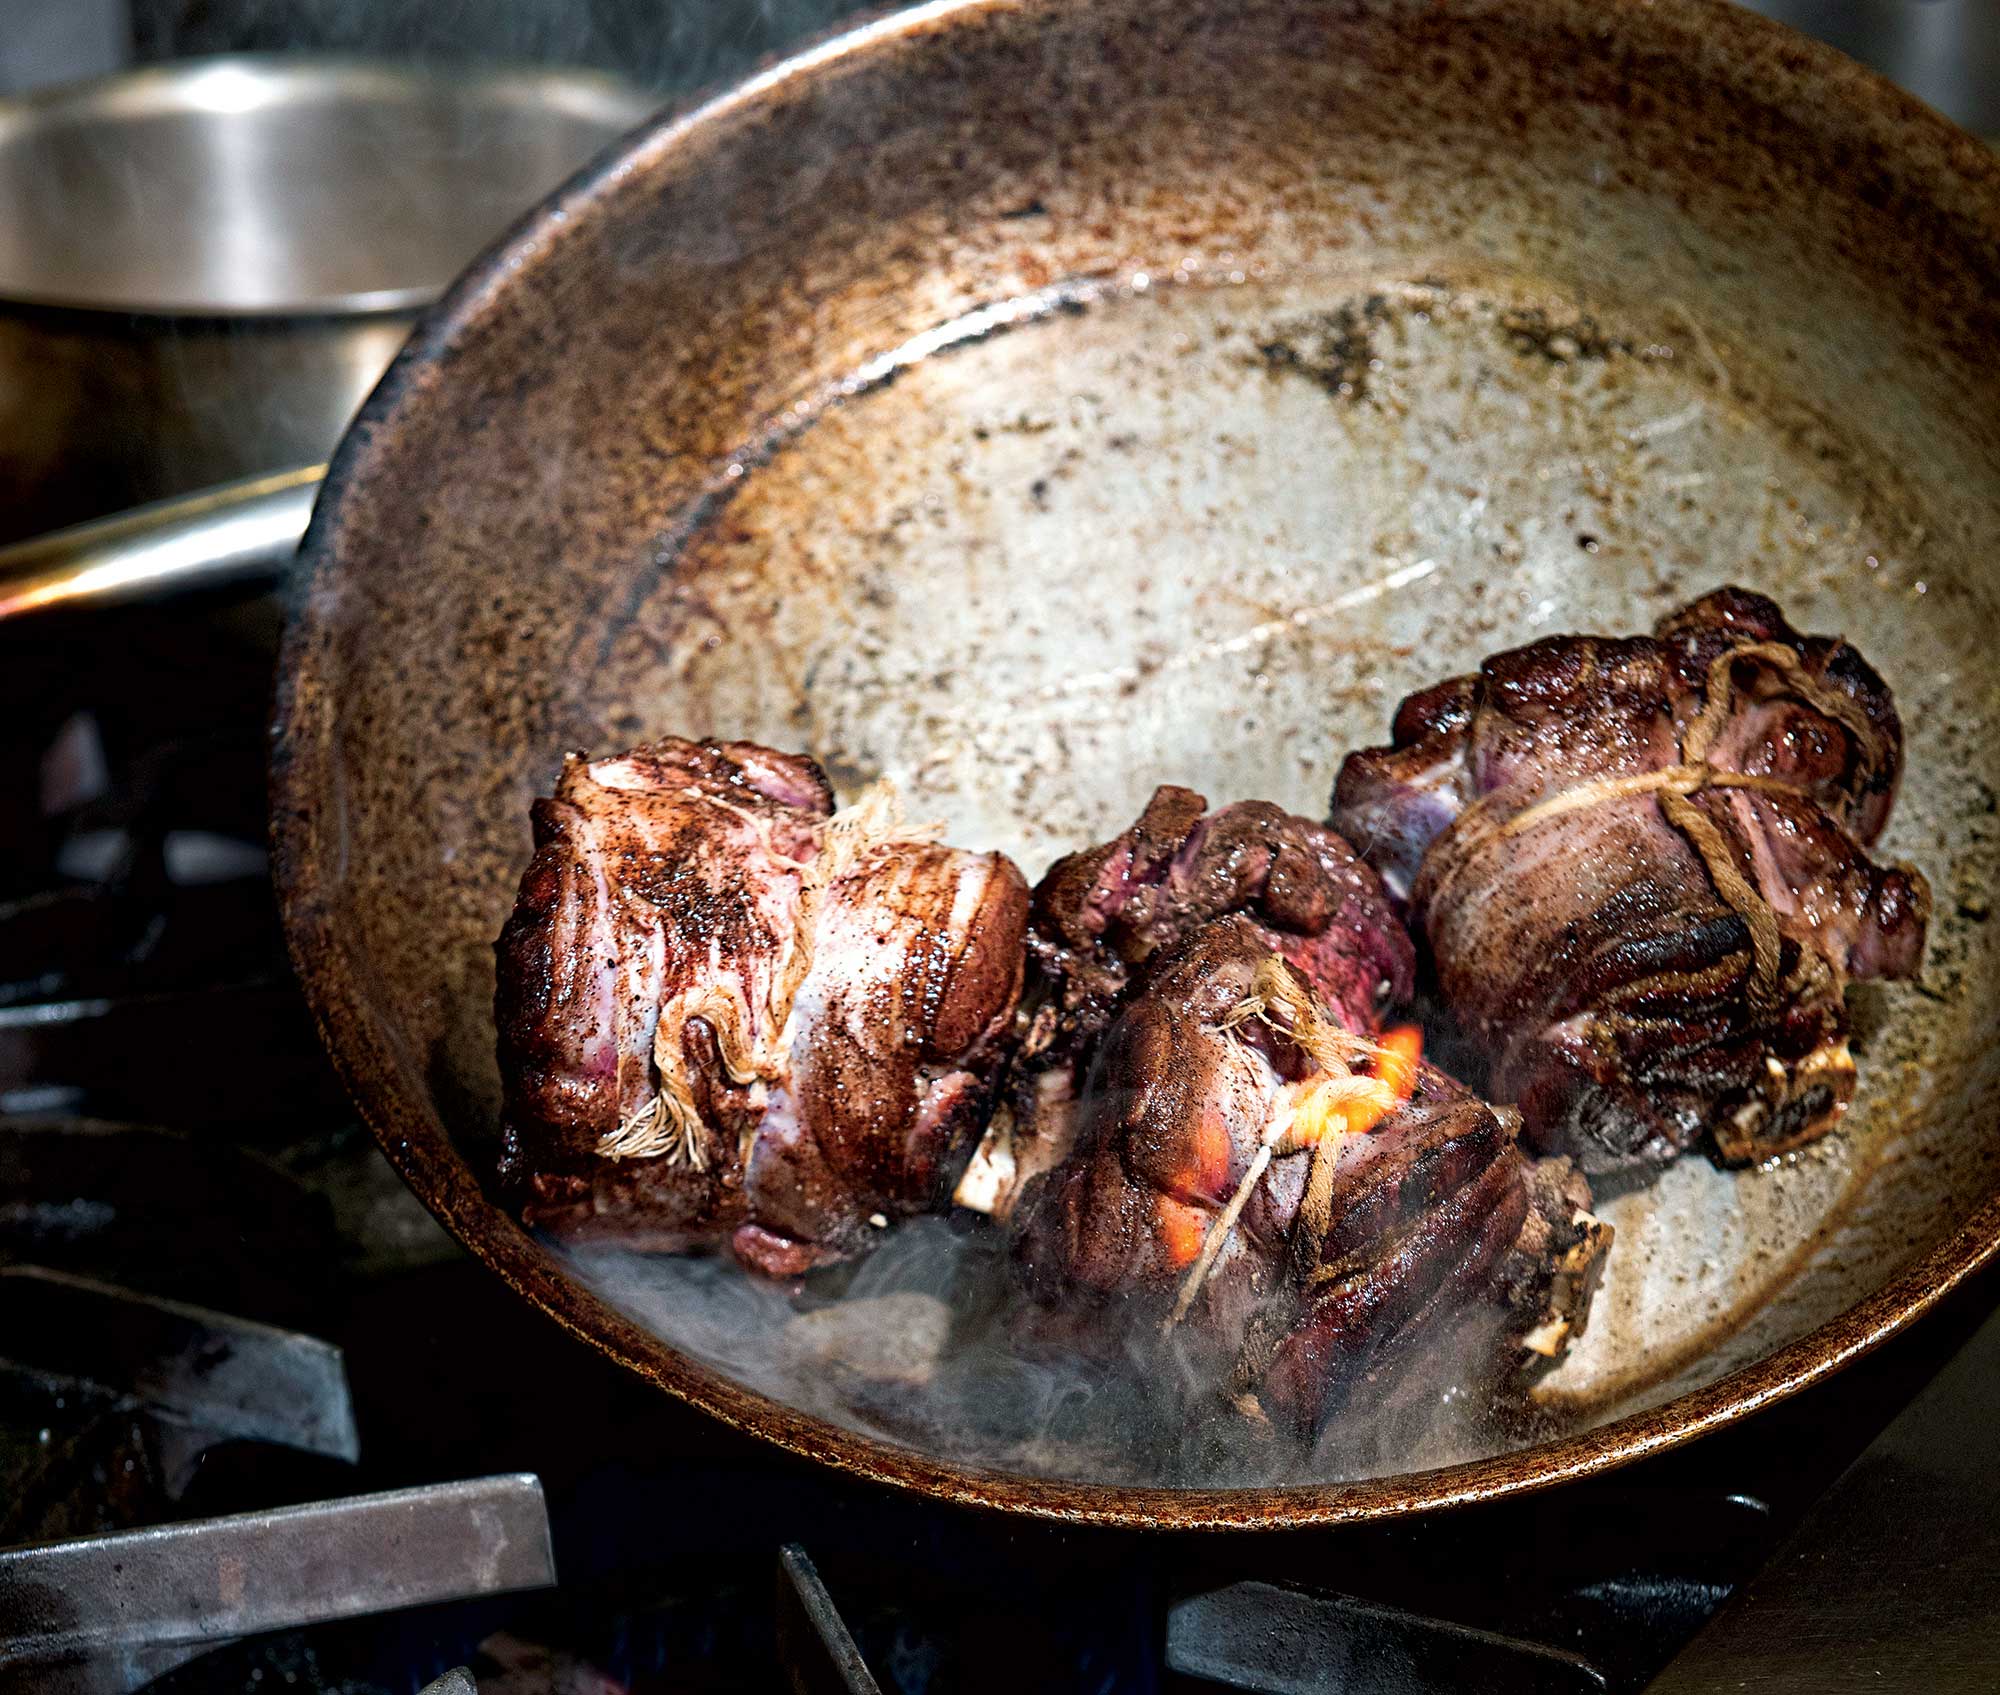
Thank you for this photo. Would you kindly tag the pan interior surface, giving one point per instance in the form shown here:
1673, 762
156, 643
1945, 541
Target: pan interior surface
1036, 472
1208, 530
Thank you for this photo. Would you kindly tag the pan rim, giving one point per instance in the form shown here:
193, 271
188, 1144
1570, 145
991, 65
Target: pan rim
427, 1160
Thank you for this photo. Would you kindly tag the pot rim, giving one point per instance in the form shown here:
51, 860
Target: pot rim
242, 83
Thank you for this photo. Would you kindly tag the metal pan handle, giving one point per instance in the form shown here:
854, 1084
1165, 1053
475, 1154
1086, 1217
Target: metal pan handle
239, 532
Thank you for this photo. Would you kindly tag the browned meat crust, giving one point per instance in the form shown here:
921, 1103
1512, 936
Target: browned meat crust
1101, 913
1639, 869
727, 1011
1342, 1250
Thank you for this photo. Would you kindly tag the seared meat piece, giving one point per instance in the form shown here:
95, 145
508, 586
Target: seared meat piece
1639, 868
1246, 1175
1102, 912
725, 1009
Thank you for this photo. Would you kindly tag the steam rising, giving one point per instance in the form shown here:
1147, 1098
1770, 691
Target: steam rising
927, 1344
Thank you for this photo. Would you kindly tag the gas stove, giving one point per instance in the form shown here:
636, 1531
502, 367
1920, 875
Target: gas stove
264, 1426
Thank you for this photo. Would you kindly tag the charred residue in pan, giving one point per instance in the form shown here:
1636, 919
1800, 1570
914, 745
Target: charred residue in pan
1333, 350
1534, 332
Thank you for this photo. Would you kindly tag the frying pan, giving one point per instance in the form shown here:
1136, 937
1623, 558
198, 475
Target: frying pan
1034, 400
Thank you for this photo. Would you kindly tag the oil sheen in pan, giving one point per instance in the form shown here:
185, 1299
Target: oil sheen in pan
1047, 557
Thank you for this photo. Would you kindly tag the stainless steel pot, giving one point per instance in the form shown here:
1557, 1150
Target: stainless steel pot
205, 266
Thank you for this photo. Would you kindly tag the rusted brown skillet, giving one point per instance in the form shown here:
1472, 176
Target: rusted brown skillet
1372, 336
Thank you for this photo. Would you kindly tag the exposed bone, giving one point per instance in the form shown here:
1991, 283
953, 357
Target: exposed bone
1573, 1280
1014, 1152
1742, 1139
1836, 1057
1547, 1338
988, 1184
1595, 1237
1749, 1119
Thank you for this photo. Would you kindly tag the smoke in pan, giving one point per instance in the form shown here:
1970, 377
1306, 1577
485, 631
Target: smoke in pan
929, 1343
